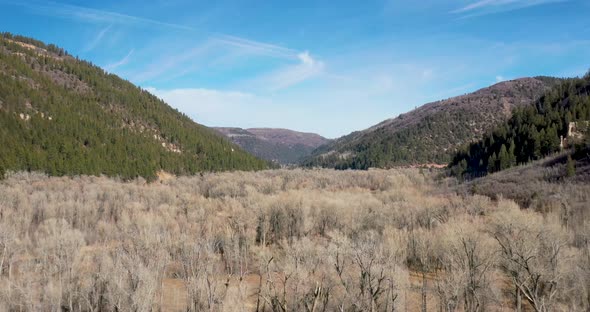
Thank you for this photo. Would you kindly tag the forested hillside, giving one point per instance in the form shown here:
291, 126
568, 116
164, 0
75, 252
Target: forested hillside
433, 132
65, 116
532, 132
281, 146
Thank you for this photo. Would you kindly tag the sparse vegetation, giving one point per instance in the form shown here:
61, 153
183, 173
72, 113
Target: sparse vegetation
287, 240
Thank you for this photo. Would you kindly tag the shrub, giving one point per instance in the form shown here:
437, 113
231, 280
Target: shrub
325, 239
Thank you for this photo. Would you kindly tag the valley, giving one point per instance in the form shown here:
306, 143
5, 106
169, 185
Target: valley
118, 195
281, 146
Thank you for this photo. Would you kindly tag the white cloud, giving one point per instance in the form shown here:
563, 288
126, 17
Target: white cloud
171, 62
483, 3
90, 15
483, 7
255, 47
222, 108
97, 39
85, 14
119, 63
306, 58
290, 75
500, 78
198, 102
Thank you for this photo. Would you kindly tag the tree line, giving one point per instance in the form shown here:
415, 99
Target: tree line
432, 133
533, 132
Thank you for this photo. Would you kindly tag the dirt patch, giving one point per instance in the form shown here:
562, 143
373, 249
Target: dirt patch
164, 176
173, 296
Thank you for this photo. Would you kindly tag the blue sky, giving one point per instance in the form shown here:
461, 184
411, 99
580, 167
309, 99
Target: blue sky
329, 67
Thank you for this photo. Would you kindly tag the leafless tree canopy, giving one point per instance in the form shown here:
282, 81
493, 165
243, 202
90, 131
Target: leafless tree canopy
283, 240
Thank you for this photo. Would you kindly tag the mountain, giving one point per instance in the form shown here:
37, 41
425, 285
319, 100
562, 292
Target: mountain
431, 133
559, 119
282, 146
65, 116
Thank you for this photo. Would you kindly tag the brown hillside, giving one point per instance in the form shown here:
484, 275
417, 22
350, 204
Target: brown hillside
432, 132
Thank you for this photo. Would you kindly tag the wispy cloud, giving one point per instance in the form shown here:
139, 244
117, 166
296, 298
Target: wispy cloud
172, 62
91, 15
255, 47
97, 39
290, 75
183, 61
483, 7
85, 14
119, 63
500, 78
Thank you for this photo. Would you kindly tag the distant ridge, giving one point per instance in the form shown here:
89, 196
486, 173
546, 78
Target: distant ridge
433, 132
282, 146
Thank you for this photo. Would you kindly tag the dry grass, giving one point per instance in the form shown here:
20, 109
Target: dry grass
281, 240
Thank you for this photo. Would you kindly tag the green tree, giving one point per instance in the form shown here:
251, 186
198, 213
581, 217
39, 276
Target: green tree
570, 167
98, 124
503, 158
532, 132
511, 155
492, 163
535, 142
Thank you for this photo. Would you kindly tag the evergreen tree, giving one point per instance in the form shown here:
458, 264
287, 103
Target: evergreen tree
570, 167
511, 155
531, 133
503, 158
98, 123
492, 163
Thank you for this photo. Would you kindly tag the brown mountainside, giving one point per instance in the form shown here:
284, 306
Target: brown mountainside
279, 145
432, 132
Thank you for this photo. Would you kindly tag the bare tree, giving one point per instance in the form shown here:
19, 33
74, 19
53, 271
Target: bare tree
421, 244
323, 240
532, 255
58, 246
467, 259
